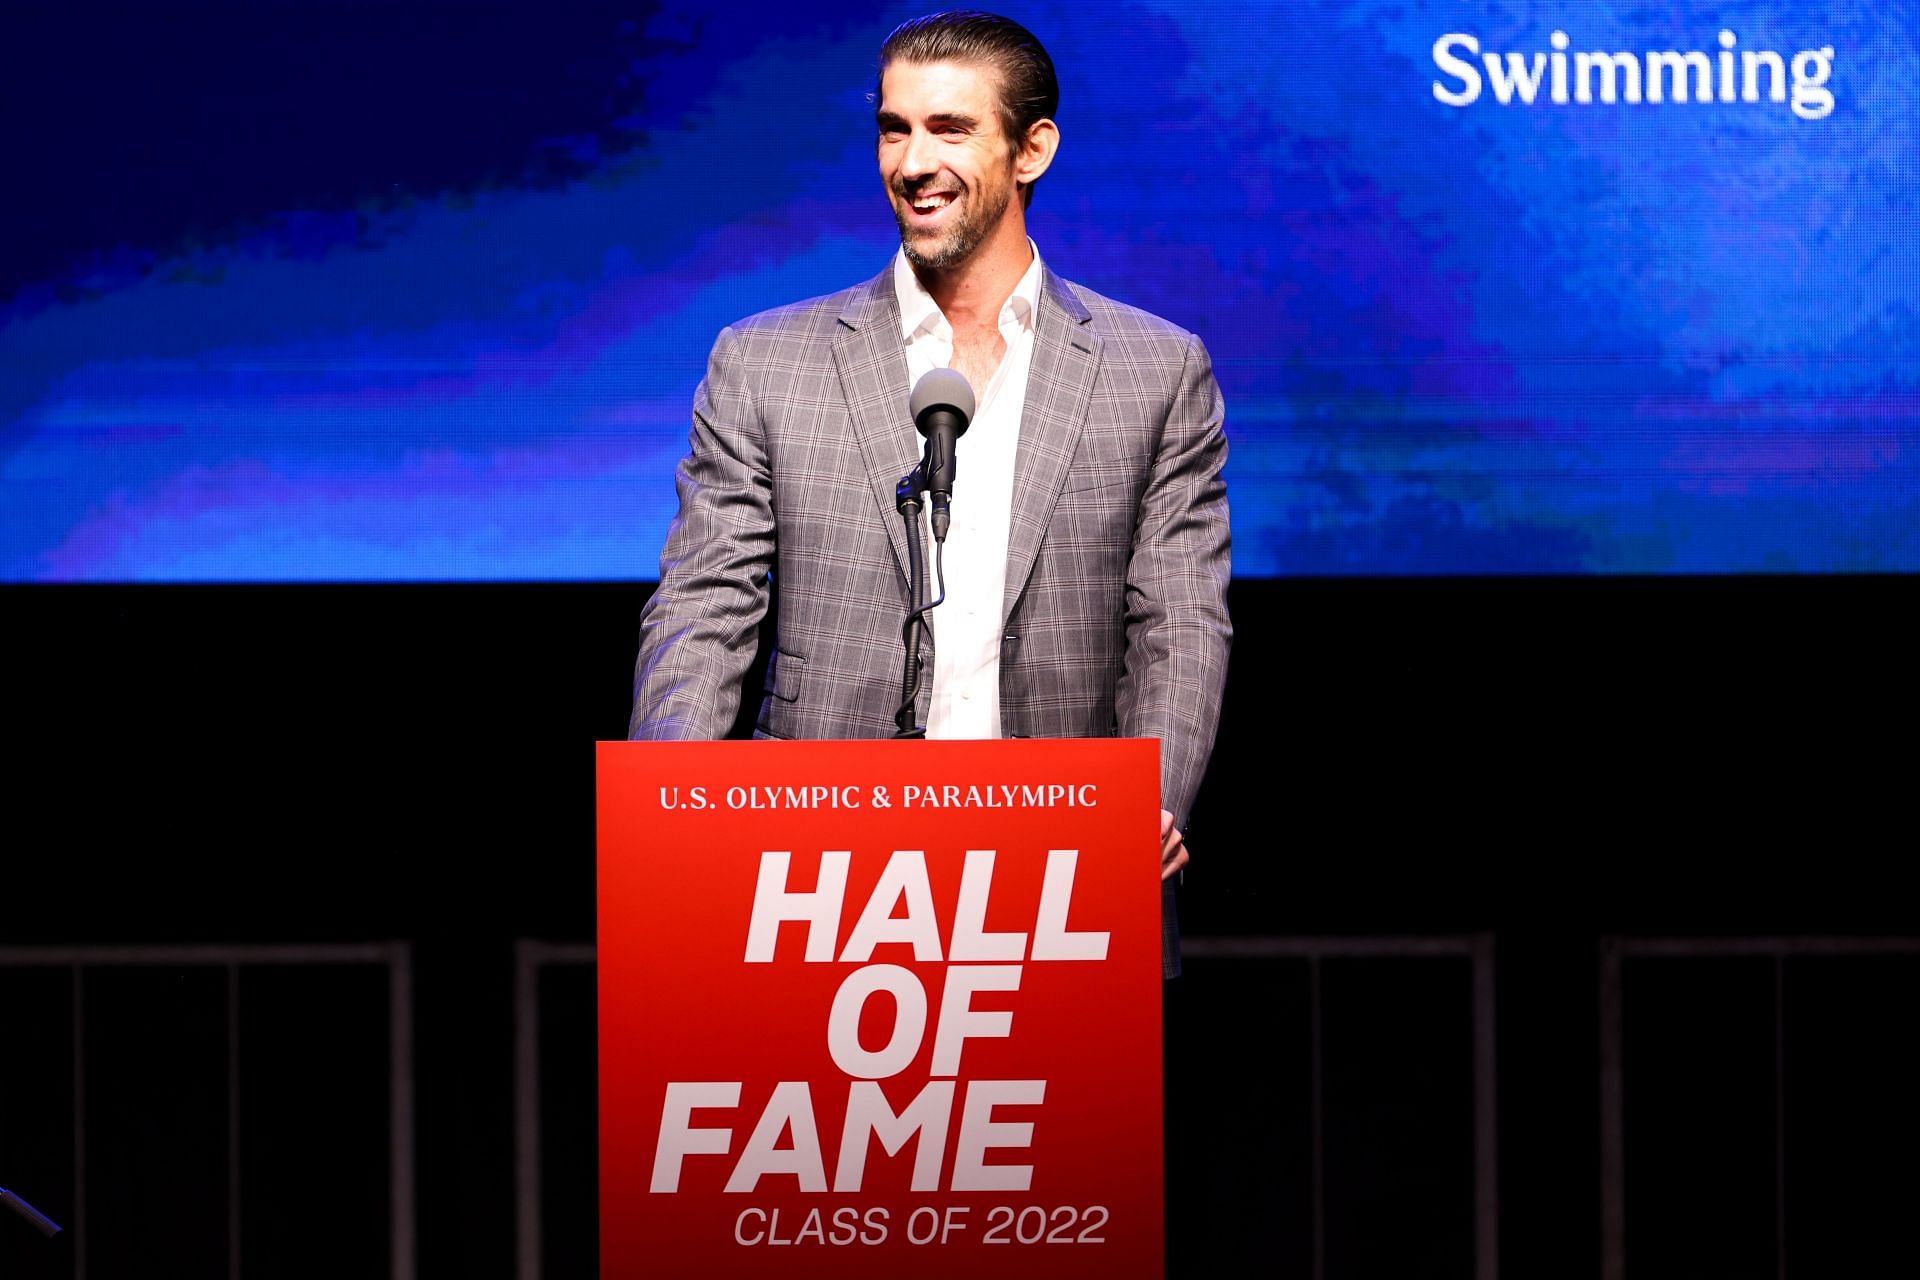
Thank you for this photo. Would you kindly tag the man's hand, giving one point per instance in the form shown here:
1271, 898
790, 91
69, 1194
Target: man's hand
1173, 848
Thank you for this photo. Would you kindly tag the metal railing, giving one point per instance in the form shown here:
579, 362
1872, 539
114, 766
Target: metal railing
394, 957
1614, 952
1478, 950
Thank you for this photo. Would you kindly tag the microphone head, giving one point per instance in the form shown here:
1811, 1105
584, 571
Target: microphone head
941, 388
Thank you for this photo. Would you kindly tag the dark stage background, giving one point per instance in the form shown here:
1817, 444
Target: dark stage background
1548, 762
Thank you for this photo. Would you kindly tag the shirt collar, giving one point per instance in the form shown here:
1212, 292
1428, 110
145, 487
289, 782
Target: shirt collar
920, 313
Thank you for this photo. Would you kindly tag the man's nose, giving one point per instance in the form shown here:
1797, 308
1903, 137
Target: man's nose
920, 158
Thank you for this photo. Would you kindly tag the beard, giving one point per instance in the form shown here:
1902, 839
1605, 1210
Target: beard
954, 245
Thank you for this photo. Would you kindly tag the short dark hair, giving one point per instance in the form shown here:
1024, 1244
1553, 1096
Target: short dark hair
1029, 89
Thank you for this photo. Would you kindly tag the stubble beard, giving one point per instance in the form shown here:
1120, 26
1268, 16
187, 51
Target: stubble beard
968, 232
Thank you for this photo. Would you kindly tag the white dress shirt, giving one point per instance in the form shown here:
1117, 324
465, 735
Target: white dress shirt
967, 627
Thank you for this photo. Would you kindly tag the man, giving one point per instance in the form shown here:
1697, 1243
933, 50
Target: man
1087, 568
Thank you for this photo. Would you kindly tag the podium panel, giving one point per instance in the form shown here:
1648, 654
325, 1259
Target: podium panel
880, 1009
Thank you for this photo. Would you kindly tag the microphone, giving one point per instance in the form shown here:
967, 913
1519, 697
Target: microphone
942, 406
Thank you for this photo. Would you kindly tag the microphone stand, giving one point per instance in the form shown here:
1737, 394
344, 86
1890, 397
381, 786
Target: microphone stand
906, 499
906, 496
47, 1226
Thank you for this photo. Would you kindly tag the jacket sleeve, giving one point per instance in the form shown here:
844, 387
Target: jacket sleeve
699, 629
1177, 630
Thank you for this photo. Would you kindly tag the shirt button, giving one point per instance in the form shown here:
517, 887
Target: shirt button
966, 694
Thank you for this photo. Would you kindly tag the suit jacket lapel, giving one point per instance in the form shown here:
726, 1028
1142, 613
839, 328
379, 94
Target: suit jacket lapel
1066, 355
873, 376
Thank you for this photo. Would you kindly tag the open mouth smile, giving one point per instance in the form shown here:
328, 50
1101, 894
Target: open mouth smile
929, 204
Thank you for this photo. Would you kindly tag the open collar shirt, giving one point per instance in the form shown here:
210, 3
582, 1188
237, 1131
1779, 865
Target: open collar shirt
967, 627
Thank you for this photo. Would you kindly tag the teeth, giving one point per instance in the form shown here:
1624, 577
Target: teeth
935, 201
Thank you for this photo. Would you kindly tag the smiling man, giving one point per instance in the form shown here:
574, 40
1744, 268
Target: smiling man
1087, 567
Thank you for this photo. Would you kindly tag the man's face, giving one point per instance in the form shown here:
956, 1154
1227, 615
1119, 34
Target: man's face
944, 157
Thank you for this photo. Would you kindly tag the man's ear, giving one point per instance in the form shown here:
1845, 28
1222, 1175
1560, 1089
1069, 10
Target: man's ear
1036, 152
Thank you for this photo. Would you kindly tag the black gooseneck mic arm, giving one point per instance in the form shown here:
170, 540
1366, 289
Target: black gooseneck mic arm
906, 496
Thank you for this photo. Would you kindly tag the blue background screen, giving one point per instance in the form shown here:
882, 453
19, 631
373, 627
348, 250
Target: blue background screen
421, 291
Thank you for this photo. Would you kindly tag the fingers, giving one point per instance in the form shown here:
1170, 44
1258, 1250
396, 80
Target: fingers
1173, 846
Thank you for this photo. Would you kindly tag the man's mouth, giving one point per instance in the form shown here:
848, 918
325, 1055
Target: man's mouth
932, 201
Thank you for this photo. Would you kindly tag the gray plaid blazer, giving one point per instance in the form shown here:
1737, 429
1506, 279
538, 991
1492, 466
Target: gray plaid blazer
1117, 558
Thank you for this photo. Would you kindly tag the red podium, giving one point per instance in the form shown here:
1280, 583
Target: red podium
880, 1009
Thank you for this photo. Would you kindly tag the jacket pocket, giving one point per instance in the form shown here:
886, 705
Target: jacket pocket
1104, 483
784, 673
